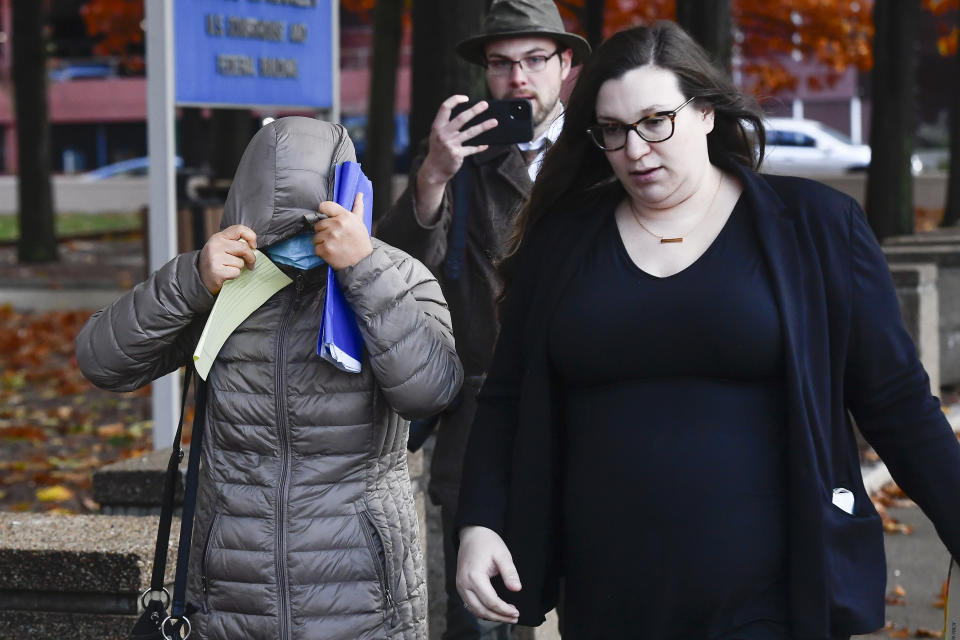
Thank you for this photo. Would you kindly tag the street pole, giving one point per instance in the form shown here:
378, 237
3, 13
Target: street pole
335, 59
162, 226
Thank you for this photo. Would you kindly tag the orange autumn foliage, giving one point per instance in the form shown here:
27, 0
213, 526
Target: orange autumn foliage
620, 14
947, 36
361, 8
836, 35
116, 24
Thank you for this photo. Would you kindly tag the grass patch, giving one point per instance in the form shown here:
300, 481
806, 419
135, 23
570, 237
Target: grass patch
70, 224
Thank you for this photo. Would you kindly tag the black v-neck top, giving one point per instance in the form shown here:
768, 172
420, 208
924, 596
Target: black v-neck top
674, 514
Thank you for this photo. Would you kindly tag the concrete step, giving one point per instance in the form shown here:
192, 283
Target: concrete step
135, 486
76, 576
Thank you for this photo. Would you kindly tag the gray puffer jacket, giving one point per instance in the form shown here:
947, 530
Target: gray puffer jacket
305, 525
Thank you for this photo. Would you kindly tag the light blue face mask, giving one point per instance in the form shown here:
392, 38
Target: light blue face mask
296, 252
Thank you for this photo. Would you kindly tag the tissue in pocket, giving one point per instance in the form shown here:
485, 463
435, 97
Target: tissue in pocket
843, 499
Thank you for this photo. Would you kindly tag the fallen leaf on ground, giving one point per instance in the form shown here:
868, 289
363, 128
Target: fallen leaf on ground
899, 590
72, 477
35, 434
891, 498
928, 633
60, 510
899, 633
49, 415
893, 490
894, 526
112, 430
940, 601
57, 493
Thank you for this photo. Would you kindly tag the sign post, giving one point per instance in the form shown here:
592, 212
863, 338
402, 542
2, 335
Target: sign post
162, 216
267, 54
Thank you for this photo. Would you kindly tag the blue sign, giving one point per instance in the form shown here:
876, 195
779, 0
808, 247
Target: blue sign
254, 52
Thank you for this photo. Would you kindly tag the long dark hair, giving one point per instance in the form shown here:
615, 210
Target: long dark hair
575, 168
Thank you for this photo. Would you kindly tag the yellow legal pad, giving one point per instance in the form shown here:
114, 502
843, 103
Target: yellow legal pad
237, 299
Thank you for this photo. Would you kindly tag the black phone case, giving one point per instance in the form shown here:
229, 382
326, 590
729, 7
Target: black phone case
514, 121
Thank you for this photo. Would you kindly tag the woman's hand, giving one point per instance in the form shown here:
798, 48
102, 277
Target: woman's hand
483, 554
341, 239
225, 254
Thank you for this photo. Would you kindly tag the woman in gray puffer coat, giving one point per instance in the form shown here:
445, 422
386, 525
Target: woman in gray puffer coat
305, 526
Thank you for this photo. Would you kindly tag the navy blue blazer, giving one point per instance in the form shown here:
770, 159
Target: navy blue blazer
846, 353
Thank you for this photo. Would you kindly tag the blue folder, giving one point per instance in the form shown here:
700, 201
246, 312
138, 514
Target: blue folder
340, 341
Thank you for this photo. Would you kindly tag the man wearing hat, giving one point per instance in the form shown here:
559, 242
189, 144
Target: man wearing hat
457, 214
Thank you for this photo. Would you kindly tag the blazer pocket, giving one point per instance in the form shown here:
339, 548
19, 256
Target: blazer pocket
856, 569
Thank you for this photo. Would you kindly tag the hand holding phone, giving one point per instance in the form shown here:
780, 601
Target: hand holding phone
456, 135
449, 143
514, 121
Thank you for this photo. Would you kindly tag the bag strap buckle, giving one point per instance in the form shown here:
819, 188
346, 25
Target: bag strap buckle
176, 628
162, 591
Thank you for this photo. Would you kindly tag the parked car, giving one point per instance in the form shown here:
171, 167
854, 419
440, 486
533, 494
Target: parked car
131, 167
799, 146
73, 70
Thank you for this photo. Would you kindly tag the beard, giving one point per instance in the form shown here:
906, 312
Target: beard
540, 110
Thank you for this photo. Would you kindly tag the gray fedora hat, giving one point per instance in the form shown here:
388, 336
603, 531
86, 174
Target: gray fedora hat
519, 18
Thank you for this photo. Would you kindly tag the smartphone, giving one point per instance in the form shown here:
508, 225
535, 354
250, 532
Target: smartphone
514, 121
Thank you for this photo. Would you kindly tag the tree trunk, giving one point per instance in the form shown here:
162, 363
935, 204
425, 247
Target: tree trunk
190, 130
593, 11
387, 33
38, 238
438, 72
230, 132
710, 24
889, 201
951, 214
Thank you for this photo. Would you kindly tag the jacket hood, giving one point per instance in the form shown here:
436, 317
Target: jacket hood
285, 173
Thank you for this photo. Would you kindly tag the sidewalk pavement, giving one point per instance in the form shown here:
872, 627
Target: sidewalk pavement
91, 274
918, 564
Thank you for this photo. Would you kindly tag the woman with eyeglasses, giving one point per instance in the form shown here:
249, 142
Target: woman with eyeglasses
665, 426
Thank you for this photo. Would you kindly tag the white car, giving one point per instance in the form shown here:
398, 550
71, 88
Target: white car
797, 146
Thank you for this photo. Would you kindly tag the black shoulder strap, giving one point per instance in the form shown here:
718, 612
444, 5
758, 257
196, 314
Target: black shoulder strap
169, 492
189, 498
152, 623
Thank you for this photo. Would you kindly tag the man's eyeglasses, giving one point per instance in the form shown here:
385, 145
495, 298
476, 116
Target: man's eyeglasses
656, 127
500, 66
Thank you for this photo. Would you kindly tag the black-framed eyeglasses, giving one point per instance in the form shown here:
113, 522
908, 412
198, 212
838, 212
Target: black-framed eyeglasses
656, 127
500, 66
